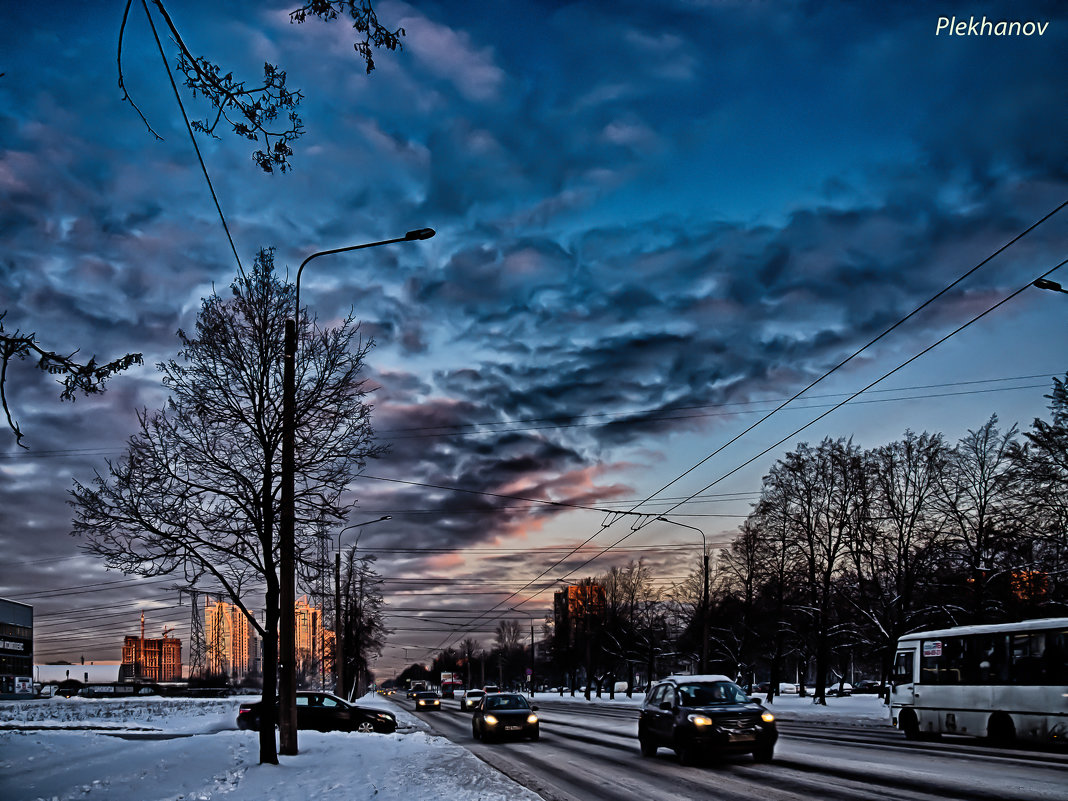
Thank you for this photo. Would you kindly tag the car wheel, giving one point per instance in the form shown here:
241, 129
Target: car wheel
764, 753
535, 736
365, 726
688, 754
648, 747
475, 732
909, 724
1000, 730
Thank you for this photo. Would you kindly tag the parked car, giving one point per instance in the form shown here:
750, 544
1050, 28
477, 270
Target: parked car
428, 701
841, 689
699, 716
867, 686
491, 688
503, 715
471, 699
325, 712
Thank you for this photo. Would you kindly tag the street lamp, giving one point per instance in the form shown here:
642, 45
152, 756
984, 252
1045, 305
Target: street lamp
1045, 283
287, 650
532, 662
339, 629
704, 598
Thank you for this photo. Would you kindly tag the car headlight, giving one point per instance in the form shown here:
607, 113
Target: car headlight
422, 703
767, 717
532, 718
491, 720
699, 720
384, 717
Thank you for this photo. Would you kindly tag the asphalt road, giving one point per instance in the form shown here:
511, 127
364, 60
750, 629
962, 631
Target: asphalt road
592, 755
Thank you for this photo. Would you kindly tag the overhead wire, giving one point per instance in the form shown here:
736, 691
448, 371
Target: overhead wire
644, 519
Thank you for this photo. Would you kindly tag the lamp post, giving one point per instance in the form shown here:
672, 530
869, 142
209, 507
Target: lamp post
287, 675
703, 667
531, 677
339, 628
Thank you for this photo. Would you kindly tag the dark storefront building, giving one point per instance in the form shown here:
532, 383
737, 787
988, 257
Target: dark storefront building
16, 649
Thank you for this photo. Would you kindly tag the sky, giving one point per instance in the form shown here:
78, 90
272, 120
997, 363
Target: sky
655, 222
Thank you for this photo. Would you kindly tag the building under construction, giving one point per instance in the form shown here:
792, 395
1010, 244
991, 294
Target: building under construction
157, 659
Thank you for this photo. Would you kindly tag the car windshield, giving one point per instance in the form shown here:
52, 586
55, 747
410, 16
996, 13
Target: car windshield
506, 702
719, 692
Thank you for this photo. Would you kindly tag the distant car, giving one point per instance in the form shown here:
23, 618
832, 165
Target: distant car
503, 715
471, 699
491, 688
699, 716
427, 701
867, 686
841, 689
325, 712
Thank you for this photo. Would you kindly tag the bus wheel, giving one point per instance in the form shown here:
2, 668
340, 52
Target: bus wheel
908, 723
1000, 730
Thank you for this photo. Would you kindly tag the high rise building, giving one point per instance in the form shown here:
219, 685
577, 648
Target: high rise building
314, 642
151, 659
231, 646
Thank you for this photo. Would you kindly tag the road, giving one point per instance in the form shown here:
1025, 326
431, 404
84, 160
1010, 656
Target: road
592, 755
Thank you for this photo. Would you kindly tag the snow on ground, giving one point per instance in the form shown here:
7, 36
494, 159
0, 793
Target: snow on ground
64, 749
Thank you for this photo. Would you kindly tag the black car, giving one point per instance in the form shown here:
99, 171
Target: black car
325, 712
699, 716
503, 715
427, 701
867, 686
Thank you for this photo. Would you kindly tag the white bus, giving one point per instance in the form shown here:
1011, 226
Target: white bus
1003, 682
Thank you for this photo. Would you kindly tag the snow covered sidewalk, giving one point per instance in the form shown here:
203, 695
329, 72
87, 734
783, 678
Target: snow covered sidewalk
217, 761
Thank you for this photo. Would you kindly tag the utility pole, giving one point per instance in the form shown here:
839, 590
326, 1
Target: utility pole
287, 651
703, 667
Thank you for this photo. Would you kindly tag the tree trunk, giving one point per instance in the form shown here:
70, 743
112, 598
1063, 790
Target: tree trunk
268, 747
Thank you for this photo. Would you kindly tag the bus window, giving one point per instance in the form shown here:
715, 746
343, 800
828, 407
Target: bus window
903, 668
990, 659
1028, 650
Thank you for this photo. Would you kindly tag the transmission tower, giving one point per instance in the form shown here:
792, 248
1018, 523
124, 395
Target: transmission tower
197, 647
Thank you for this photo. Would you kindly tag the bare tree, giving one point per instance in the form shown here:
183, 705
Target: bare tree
977, 488
85, 377
362, 619
896, 556
196, 493
253, 112
826, 493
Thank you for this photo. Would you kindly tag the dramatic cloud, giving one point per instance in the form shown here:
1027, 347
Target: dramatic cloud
654, 220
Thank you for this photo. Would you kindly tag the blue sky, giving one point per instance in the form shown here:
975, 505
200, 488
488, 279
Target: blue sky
642, 208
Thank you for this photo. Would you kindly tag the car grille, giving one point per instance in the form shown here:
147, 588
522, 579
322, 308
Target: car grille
738, 724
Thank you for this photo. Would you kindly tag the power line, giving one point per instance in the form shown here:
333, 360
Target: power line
640, 523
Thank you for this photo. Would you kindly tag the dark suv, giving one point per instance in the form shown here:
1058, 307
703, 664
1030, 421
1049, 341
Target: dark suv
698, 716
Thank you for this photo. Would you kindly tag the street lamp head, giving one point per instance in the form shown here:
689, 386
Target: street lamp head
1045, 283
420, 233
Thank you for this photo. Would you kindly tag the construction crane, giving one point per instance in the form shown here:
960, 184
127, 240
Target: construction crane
167, 630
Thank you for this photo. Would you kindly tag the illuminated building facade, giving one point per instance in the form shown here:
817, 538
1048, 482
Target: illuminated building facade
151, 659
314, 641
231, 646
